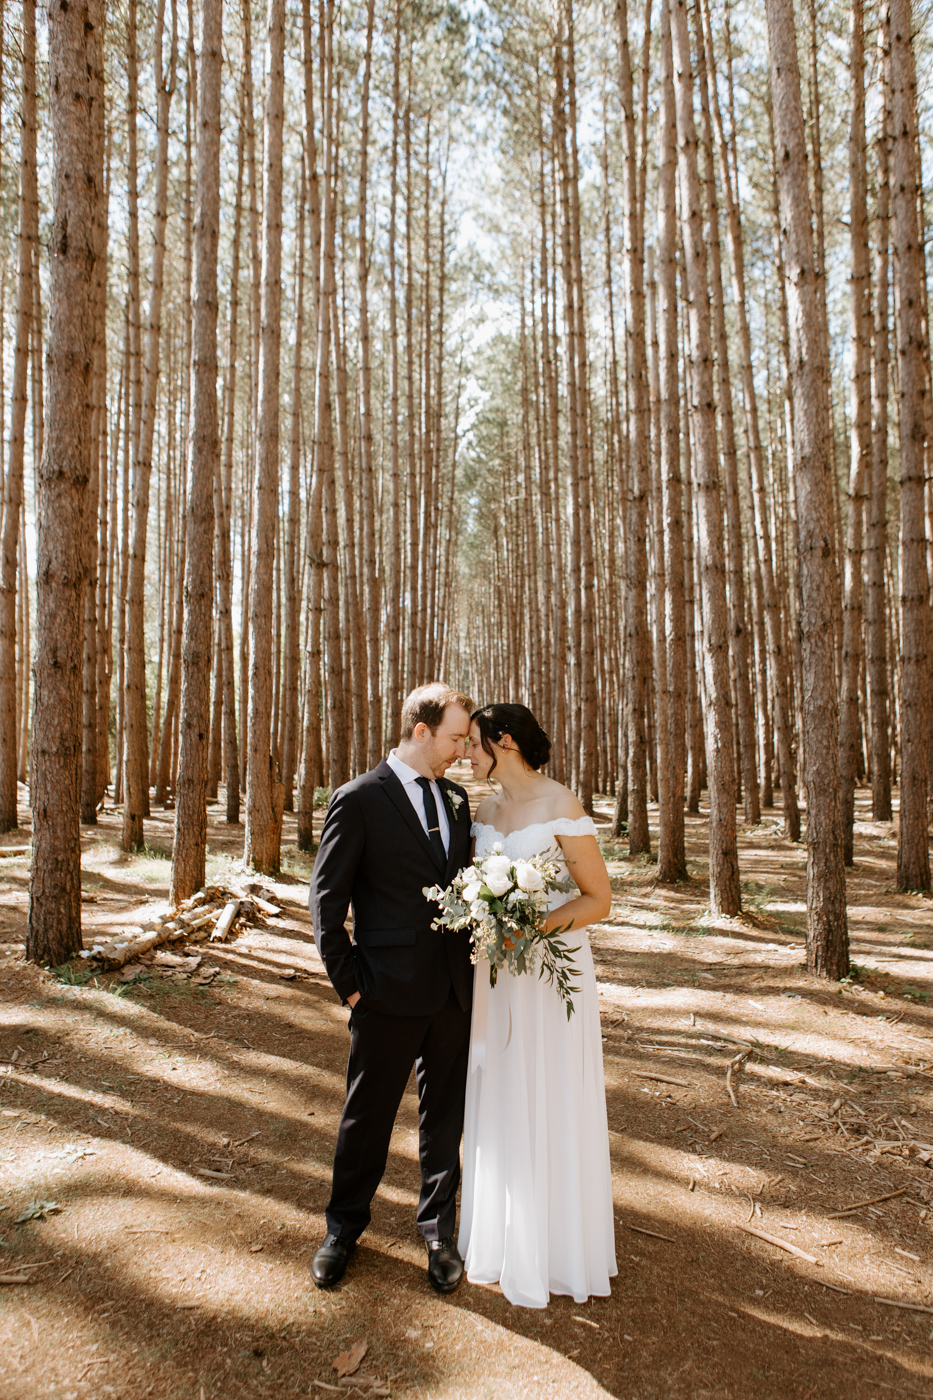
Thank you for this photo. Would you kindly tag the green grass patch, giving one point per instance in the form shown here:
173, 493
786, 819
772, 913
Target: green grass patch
72, 974
298, 864
756, 897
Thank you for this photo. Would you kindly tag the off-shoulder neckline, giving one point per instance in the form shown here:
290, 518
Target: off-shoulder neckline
552, 821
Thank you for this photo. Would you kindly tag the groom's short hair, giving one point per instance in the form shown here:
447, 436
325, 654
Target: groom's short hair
426, 705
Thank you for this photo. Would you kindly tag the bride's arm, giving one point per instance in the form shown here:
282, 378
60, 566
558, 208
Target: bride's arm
588, 872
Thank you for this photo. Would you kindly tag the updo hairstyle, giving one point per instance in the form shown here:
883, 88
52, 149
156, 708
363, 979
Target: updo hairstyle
517, 721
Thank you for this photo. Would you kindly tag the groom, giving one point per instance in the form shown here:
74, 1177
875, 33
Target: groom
387, 835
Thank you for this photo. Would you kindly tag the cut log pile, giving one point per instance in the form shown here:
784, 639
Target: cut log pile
215, 913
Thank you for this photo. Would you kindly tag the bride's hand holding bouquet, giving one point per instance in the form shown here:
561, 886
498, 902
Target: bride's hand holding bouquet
504, 905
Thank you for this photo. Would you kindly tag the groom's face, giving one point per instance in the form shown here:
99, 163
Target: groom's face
448, 742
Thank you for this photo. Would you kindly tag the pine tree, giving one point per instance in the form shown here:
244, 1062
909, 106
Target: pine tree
76, 82
188, 856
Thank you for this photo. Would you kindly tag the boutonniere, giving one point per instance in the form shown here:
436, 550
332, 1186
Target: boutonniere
454, 800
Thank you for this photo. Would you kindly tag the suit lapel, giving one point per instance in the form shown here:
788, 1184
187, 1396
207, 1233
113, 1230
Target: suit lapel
396, 791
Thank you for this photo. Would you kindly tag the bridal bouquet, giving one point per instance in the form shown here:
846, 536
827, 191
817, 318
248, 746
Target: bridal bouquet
502, 902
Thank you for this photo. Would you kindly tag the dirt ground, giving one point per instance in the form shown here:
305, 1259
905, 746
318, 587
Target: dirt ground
172, 1142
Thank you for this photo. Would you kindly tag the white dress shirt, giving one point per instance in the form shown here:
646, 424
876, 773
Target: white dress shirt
408, 777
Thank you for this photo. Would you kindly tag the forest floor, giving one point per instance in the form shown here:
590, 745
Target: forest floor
150, 1276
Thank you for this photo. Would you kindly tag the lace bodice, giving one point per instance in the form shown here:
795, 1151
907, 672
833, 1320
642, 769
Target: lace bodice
534, 840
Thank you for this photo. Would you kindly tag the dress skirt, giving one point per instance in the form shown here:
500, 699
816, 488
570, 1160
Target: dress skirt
536, 1212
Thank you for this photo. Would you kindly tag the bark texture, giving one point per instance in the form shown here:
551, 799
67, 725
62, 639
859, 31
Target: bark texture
860, 458
913, 847
827, 929
672, 854
725, 893
636, 505
136, 742
188, 856
263, 822
13, 485
876, 621
75, 35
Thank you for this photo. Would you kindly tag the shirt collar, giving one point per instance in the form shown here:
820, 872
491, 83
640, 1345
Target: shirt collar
403, 770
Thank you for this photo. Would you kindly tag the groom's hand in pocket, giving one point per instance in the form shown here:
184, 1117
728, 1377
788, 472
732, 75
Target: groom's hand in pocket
352, 999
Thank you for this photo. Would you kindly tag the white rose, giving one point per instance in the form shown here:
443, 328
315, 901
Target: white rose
497, 874
479, 908
498, 884
471, 890
496, 865
528, 878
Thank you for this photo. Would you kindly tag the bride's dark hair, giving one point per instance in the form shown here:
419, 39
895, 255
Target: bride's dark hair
520, 724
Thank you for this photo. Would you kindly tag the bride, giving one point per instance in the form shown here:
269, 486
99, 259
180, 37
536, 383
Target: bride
536, 1208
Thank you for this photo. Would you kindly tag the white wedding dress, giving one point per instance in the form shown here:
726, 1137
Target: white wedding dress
536, 1206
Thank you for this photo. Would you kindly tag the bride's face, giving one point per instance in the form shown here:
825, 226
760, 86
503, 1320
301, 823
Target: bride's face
480, 761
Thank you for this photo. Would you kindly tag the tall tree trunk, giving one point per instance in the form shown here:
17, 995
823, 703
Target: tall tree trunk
292, 560
126, 457
188, 855
875, 611
411, 413
913, 847
264, 793
223, 494
132, 236
255, 307
394, 544
165, 769
75, 39
13, 485
827, 931
860, 462
735, 549
586, 656
783, 728
311, 770
215, 751
725, 893
95, 542
338, 754
108, 532
136, 747
370, 576
572, 449
672, 856
347, 574
636, 479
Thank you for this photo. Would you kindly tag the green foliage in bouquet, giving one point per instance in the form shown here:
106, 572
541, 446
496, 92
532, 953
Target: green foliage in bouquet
502, 903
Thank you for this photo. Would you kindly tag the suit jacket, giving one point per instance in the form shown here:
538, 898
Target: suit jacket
376, 856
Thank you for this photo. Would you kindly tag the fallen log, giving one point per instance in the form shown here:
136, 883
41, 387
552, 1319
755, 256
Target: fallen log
224, 923
215, 911
117, 952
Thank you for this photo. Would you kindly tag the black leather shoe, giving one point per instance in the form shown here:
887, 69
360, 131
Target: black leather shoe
445, 1267
329, 1264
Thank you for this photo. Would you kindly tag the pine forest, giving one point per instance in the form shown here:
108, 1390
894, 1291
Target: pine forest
578, 355
575, 353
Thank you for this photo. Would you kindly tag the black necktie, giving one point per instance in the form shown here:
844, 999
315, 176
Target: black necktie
430, 812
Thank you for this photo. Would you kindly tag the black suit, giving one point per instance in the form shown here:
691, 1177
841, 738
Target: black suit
415, 985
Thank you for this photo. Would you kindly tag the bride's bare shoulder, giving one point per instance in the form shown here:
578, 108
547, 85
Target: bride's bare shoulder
486, 810
562, 802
